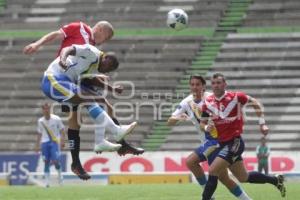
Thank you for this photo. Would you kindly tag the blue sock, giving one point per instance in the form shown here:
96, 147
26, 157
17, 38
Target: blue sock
210, 187
201, 180
47, 167
236, 191
57, 166
94, 110
256, 177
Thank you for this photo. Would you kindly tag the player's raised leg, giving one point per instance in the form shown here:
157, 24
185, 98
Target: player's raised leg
127, 148
102, 122
240, 172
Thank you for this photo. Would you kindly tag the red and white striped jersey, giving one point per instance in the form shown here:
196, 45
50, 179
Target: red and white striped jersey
226, 113
76, 33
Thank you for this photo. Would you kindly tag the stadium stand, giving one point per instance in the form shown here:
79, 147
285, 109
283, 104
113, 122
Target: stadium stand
273, 13
45, 14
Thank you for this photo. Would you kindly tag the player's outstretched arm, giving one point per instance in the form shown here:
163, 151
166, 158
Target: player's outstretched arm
260, 114
65, 52
103, 83
177, 118
34, 47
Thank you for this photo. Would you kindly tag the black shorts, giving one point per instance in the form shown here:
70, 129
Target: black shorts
68, 108
232, 150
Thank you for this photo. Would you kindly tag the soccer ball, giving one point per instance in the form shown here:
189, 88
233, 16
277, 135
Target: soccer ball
177, 19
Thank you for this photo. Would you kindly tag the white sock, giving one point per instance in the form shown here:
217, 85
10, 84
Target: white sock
244, 196
47, 179
99, 134
59, 175
105, 122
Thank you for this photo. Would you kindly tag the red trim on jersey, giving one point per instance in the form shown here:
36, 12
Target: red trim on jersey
76, 33
226, 113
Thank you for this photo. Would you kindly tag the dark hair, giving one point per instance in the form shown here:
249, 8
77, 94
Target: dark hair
199, 77
111, 56
217, 75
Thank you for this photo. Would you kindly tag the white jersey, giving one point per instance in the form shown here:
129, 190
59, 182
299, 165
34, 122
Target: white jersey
50, 129
86, 61
186, 106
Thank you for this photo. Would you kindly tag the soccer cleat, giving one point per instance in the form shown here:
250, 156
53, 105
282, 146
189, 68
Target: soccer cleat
128, 149
106, 146
79, 171
280, 185
124, 131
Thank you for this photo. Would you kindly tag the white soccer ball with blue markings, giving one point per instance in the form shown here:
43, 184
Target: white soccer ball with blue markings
177, 19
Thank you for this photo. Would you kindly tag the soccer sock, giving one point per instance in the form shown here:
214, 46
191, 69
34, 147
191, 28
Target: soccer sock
74, 145
201, 180
236, 191
256, 177
102, 119
239, 193
47, 178
47, 173
122, 142
58, 168
99, 134
244, 196
47, 167
210, 187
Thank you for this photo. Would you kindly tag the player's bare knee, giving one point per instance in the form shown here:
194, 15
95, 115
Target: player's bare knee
242, 178
54, 162
74, 126
74, 122
213, 172
191, 163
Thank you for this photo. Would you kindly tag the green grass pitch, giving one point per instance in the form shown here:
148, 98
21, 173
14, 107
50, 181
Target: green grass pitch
141, 192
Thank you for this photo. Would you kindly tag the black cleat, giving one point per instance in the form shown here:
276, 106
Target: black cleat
280, 185
128, 149
79, 171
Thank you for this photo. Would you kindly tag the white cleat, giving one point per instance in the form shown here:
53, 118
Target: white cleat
106, 146
124, 131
